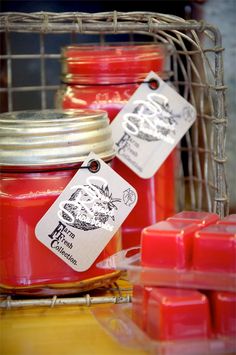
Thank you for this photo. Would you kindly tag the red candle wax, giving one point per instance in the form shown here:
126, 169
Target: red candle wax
106, 60
140, 300
223, 305
24, 261
168, 244
214, 249
203, 219
230, 219
152, 203
100, 77
177, 314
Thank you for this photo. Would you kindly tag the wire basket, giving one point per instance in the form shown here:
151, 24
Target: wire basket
197, 74
32, 42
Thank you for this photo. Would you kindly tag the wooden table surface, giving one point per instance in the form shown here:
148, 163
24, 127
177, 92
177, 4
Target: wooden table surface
61, 330
68, 330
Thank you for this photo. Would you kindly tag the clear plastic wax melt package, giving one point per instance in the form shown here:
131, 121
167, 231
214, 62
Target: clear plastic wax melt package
117, 321
185, 278
189, 250
184, 283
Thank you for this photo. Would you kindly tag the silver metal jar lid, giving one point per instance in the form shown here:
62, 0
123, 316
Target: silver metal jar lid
53, 137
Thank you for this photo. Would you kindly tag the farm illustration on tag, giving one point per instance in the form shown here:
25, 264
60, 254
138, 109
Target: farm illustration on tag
90, 207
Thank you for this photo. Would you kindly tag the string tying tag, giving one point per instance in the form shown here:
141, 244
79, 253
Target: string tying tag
93, 167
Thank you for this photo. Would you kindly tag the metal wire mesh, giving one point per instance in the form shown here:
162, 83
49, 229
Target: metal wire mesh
197, 65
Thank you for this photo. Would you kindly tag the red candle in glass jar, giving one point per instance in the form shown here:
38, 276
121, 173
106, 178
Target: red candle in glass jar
177, 314
104, 77
214, 249
168, 244
40, 153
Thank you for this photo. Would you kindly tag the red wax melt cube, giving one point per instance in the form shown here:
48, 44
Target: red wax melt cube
203, 219
177, 314
223, 306
167, 244
139, 305
214, 249
231, 219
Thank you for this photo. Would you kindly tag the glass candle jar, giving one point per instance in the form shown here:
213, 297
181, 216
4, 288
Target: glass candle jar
104, 77
40, 153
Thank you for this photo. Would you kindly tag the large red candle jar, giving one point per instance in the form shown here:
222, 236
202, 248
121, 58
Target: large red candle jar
104, 77
40, 153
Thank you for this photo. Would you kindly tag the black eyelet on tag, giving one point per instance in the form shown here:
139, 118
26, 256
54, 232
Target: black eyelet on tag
153, 84
94, 166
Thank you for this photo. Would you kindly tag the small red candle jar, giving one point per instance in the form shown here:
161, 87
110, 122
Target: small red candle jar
177, 314
140, 300
214, 249
202, 219
223, 305
40, 153
231, 219
104, 77
168, 244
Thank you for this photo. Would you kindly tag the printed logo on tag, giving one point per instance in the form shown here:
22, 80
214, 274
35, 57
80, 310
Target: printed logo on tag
150, 125
86, 215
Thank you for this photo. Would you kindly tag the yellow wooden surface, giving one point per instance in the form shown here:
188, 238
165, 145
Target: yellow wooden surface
62, 330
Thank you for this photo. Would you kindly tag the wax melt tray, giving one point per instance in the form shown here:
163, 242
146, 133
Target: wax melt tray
116, 320
184, 278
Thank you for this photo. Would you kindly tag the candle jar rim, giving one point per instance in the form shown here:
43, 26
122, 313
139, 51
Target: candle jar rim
116, 50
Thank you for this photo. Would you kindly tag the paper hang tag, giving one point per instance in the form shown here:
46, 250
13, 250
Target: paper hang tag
150, 125
86, 215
